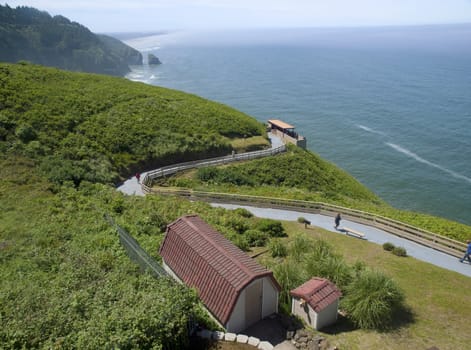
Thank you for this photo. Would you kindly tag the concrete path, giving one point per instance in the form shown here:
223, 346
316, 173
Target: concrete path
132, 187
372, 234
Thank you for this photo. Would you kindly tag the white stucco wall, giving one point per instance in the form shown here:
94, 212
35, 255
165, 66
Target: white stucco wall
316, 320
327, 316
270, 298
236, 321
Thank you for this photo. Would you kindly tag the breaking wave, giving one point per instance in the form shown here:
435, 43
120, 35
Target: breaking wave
370, 130
427, 162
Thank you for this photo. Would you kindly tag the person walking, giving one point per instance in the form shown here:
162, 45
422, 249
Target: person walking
138, 177
337, 220
467, 255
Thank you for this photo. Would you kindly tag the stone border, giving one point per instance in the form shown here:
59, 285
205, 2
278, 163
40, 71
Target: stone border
239, 338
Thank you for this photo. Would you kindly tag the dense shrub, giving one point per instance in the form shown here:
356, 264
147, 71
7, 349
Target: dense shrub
243, 212
256, 238
399, 251
371, 299
237, 224
388, 246
273, 227
277, 248
241, 242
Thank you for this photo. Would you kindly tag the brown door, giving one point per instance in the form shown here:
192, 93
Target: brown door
253, 303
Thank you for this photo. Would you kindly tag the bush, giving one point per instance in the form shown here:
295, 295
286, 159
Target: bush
399, 251
241, 242
371, 300
243, 212
277, 248
238, 225
388, 246
273, 227
256, 238
300, 245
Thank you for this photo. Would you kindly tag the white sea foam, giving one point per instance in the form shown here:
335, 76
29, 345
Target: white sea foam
370, 130
427, 162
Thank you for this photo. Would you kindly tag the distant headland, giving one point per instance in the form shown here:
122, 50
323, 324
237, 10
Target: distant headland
32, 35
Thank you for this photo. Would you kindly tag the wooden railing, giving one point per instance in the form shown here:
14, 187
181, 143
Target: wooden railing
172, 169
423, 237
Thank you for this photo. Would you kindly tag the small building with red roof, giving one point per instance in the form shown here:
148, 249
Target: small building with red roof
236, 290
316, 302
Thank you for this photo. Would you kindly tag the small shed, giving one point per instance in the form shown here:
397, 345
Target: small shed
236, 290
316, 302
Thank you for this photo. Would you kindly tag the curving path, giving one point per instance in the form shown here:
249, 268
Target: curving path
133, 187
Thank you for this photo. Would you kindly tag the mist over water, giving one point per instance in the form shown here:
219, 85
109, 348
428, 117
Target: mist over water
392, 106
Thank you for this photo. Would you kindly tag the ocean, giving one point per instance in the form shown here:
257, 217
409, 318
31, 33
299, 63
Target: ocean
391, 105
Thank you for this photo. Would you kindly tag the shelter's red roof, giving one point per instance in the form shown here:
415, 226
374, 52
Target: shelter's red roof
318, 293
204, 259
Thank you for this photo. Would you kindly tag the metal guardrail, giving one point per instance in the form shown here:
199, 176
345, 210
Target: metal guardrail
172, 169
135, 251
421, 236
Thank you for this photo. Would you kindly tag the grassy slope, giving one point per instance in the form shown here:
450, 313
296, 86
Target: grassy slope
300, 174
82, 126
64, 278
438, 299
65, 281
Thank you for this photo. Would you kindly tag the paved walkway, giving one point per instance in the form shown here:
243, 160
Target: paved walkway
132, 187
373, 234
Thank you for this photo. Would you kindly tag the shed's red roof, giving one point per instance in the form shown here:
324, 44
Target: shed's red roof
318, 293
204, 259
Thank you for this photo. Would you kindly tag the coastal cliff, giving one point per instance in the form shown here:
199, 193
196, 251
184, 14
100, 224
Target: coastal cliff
35, 36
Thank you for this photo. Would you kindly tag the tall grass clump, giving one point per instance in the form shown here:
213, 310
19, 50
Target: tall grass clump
371, 299
277, 248
300, 245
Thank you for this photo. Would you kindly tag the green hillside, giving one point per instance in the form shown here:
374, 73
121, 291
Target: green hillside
35, 36
301, 174
65, 280
96, 128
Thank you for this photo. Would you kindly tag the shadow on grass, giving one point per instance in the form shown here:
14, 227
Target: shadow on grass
402, 317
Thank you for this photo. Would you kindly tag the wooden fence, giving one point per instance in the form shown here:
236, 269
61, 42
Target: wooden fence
424, 237
172, 169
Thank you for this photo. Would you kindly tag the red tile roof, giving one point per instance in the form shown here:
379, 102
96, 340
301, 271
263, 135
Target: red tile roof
318, 293
204, 259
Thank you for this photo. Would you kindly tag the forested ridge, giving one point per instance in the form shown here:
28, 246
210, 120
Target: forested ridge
32, 35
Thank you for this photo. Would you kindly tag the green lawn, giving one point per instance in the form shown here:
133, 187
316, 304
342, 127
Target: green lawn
439, 301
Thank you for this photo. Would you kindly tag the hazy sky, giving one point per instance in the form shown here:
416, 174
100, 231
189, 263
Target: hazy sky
148, 15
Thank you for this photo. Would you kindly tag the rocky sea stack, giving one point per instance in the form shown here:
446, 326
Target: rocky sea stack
152, 59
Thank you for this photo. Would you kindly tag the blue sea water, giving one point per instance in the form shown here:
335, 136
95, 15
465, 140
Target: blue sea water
391, 106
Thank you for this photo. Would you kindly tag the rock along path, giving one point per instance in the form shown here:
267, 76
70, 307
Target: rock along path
133, 187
